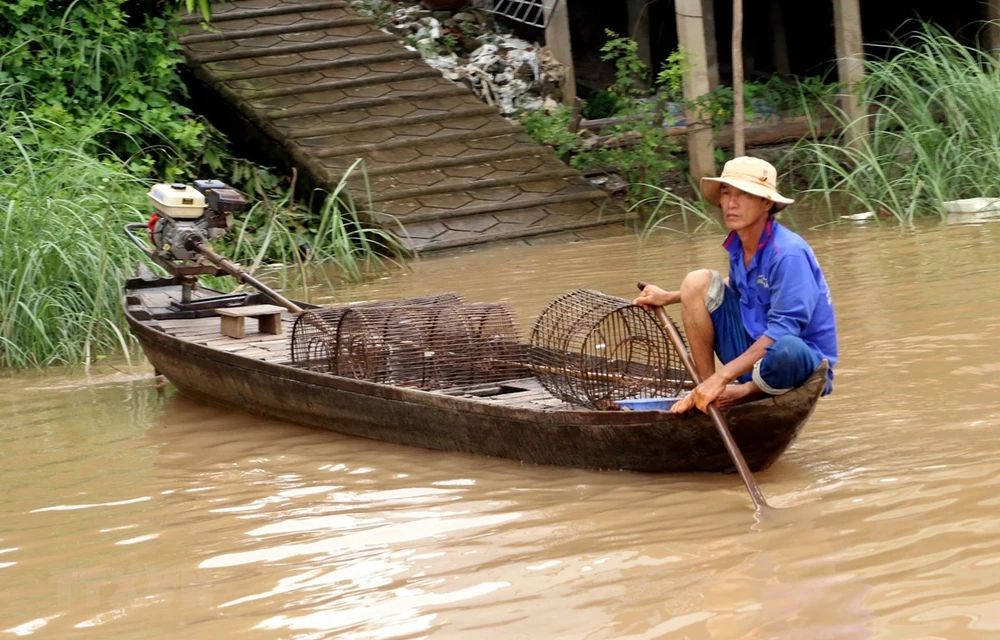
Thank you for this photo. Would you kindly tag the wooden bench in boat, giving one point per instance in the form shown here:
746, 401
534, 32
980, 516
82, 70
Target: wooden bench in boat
234, 319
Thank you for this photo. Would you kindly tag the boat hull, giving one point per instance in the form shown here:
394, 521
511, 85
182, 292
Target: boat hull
653, 441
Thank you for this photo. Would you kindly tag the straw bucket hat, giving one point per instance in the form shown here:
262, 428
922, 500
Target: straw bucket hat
753, 175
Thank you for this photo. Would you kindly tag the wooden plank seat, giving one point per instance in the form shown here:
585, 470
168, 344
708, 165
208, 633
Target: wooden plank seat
234, 319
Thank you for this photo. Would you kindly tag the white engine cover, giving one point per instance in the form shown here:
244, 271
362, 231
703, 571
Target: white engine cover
178, 201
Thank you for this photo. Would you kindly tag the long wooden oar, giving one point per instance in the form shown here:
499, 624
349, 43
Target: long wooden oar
760, 504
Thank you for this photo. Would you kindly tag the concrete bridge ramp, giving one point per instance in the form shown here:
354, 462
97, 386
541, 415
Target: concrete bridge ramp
328, 87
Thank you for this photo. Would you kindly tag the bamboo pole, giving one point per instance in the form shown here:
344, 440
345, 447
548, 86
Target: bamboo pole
691, 36
739, 113
850, 64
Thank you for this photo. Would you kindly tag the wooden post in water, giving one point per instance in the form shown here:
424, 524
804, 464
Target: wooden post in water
638, 29
711, 46
739, 113
993, 27
691, 36
850, 64
558, 41
779, 40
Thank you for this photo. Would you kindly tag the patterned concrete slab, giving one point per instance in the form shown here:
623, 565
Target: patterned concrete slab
444, 169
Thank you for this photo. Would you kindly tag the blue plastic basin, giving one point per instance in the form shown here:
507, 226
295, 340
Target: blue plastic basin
647, 404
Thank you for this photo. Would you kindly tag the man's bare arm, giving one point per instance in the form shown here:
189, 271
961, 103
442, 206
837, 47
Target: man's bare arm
653, 296
745, 362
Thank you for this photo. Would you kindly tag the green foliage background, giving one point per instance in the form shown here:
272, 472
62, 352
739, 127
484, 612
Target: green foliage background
68, 63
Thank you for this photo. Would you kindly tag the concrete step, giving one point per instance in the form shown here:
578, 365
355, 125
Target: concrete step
355, 144
206, 52
465, 185
435, 154
499, 173
265, 66
523, 150
473, 202
450, 100
321, 104
439, 235
378, 122
298, 84
252, 28
228, 11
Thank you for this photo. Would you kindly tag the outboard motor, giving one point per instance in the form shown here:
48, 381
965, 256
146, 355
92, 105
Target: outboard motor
186, 219
185, 216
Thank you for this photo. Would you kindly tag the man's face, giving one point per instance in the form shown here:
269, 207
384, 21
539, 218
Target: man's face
741, 209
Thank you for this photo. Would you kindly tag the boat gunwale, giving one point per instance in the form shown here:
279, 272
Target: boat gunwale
581, 417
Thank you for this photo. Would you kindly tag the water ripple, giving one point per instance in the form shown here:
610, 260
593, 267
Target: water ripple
131, 511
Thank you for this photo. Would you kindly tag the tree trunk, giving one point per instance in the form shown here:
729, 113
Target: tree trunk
739, 114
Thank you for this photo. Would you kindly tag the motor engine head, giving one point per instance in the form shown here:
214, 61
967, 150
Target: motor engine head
186, 215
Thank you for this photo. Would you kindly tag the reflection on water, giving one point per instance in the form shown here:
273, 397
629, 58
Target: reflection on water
131, 511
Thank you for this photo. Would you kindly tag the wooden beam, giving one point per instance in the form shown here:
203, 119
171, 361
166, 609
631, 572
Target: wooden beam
756, 135
779, 40
850, 63
558, 41
993, 26
638, 29
691, 36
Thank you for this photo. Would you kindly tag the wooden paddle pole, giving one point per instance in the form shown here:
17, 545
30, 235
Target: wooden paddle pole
235, 271
760, 504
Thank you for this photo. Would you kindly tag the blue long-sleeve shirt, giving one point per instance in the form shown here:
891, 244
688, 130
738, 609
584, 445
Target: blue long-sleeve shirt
783, 291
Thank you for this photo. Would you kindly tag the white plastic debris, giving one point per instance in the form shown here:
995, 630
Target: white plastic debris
506, 71
865, 215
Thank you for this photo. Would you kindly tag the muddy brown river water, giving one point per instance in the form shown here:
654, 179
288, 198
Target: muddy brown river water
130, 511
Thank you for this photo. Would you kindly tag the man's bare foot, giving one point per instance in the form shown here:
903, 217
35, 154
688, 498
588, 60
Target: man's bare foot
740, 393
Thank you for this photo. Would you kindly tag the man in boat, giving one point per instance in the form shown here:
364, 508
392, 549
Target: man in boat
771, 322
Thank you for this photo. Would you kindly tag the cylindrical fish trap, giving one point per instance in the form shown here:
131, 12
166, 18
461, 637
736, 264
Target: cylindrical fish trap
310, 333
591, 349
425, 347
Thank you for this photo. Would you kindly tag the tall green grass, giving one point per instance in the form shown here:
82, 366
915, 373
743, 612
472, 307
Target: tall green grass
665, 209
934, 118
331, 229
64, 258
62, 255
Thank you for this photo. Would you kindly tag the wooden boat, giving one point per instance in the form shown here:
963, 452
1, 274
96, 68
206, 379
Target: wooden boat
516, 419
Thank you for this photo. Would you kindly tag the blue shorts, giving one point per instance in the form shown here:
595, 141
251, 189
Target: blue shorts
787, 364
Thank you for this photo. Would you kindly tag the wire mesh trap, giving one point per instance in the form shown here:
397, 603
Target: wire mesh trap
421, 346
308, 347
591, 349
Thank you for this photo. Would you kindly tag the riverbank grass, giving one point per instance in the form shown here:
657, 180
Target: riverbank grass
62, 253
934, 122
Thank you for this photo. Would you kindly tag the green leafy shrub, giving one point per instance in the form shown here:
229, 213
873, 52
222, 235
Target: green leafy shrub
602, 104
65, 62
92, 114
553, 128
